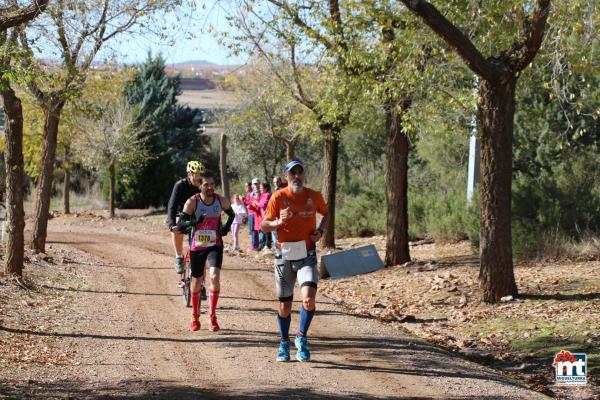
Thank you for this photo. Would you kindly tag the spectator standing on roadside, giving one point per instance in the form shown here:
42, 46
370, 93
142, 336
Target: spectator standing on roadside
263, 200
237, 203
277, 185
251, 203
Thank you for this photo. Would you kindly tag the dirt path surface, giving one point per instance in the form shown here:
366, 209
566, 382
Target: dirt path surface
127, 335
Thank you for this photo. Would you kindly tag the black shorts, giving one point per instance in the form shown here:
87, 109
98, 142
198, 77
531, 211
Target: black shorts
212, 255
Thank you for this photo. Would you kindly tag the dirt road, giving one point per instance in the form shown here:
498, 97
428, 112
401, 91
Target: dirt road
132, 341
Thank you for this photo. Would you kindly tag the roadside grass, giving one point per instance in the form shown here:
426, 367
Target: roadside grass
545, 347
541, 339
556, 245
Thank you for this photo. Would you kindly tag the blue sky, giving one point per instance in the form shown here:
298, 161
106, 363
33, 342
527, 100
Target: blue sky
190, 36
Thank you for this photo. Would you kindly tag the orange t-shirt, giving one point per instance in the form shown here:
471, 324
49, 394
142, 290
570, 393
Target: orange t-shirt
304, 207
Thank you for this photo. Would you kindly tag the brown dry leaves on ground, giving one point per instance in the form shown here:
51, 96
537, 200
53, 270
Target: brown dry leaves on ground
39, 306
437, 297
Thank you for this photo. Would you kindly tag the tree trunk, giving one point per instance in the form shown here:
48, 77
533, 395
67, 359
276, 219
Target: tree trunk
290, 150
223, 166
111, 189
15, 246
67, 182
44, 187
496, 109
330, 150
397, 249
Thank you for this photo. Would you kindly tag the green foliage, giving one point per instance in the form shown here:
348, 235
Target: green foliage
443, 217
565, 199
171, 133
557, 149
361, 208
11, 70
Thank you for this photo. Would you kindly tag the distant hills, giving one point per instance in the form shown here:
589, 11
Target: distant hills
198, 62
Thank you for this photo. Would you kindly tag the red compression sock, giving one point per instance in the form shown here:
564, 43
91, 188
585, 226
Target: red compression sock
196, 303
213, 298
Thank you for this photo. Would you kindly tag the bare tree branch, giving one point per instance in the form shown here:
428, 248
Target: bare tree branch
17, 16
455, 38
535, 35
296, 74
308, 30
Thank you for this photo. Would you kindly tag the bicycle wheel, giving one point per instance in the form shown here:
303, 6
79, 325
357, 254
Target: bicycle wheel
187, 283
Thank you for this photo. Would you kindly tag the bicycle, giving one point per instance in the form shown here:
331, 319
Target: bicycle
187, 278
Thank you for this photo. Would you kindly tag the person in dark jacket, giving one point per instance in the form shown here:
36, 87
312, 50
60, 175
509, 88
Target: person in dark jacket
182, 191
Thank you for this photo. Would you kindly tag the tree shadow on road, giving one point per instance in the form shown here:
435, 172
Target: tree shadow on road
164, 390
387, 355
122, 292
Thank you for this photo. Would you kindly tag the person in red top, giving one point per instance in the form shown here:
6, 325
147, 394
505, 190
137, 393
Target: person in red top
264, 238
293, 212
251, 195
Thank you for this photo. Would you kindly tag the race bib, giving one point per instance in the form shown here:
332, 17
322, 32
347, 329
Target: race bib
205, 238
294, 250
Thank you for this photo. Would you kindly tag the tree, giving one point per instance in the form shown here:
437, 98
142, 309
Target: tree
496, 108
13, 16
223, 165
172, 135
78, 29
330, 103
110, 136
266, 105
267, 126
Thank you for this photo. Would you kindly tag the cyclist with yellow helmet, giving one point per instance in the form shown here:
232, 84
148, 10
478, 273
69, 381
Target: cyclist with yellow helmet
183, 190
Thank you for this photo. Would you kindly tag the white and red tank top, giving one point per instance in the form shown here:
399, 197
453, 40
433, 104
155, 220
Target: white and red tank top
206, 234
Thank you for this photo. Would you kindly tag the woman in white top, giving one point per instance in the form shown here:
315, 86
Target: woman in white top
237, 203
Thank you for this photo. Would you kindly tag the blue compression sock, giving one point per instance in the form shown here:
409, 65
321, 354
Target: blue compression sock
284, 326
305, 319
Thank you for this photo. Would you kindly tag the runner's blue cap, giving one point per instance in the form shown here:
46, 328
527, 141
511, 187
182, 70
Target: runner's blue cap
292, 164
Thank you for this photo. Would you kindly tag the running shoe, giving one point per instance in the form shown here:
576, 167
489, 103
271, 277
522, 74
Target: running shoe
194, 323
181, 284
284, 351
179, 265
203, 292
302, 346
213, 326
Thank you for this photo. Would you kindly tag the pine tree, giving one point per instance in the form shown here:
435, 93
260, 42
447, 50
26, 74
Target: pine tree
171, 131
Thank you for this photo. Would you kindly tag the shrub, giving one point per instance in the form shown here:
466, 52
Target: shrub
557, 208
362, 215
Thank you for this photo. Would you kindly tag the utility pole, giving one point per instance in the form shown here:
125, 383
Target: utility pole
473, 173
223, 165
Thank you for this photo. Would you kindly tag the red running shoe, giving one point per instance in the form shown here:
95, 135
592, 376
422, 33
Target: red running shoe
194, 323
213, 326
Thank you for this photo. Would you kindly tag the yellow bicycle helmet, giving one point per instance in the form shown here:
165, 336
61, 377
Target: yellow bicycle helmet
195, 167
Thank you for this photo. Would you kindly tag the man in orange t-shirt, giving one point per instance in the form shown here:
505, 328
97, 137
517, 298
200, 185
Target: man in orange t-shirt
293, 212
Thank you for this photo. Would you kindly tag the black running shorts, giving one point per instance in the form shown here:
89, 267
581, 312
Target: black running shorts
212, 256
